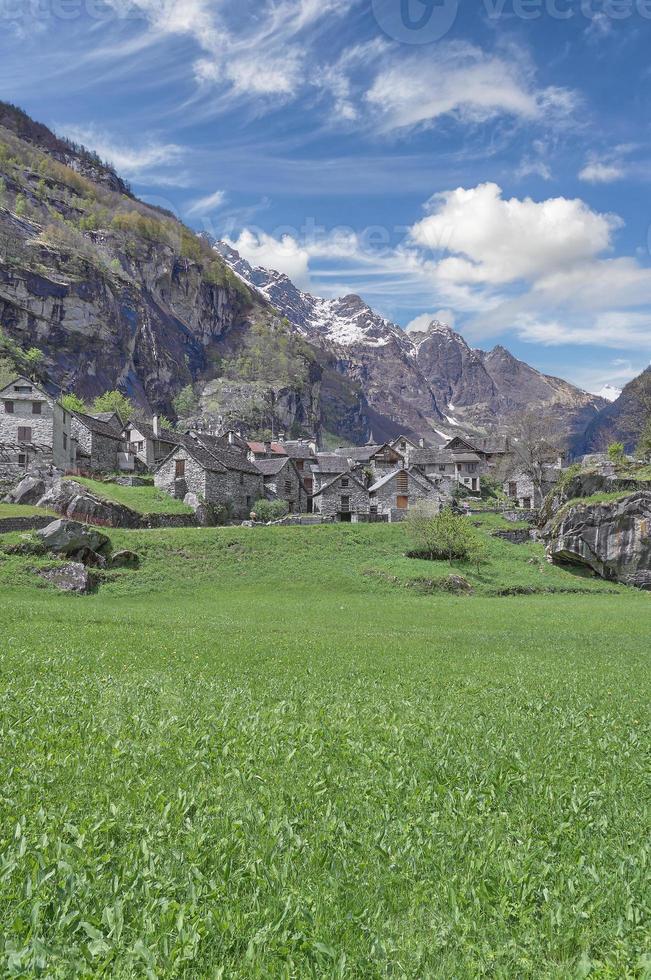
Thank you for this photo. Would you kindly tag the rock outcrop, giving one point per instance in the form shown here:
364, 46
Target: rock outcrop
71, 538
73, 577
612, 538
29, 491
73, 500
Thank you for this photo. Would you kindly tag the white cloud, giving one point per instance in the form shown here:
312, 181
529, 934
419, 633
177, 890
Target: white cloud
129, 160
497, 241
282, 254
204, 205
463, 80
601, 173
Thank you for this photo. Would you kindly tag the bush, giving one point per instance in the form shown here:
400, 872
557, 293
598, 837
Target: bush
616, 452
443, 536
114, 401
186, 403
270, 510
73, 403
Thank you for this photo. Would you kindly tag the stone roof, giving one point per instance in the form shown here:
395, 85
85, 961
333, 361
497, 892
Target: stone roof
98, 426
230, 459
271, 467
417, 477
165, 435
298, 450
330, 463
432, 457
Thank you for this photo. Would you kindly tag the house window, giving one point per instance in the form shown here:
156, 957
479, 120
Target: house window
345, 482
442, 469
24, 433
37, 408
241, 479
249, 503
288, 486
65, 441
526, 503
345, 505
22, 459
9, 408
23, 389
299, 464
402, 482
403, 446
513, 489
179, 470
402, 503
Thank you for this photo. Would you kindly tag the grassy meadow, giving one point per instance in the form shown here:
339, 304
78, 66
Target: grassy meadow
286, 752
147, 499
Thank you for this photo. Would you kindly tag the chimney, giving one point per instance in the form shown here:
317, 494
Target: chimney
421, 443
231, 438
156, 425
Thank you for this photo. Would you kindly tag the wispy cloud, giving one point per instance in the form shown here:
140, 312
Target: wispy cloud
205, 205
129, 159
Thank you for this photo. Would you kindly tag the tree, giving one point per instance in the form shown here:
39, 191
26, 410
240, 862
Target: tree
33, 359
73, 403
114, 401
186, 402
616, 452
20, 207
538, 445
165, 423
7, 371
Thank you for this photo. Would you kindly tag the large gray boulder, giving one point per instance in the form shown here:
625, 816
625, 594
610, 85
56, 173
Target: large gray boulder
73, 500
71, 538
612, 538
28, 491
73, 577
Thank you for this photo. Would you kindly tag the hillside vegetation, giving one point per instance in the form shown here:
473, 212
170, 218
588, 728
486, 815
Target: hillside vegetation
285, 752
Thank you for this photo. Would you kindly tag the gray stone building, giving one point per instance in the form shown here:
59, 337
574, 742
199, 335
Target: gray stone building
463, 468
374, 461
150, 444
395, 494
213, 474
407, 447
344, 498
35, 430
327, 467
283, 481
523, 492
101, 447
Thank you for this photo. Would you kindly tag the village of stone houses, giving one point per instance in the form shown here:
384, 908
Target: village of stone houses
225, 477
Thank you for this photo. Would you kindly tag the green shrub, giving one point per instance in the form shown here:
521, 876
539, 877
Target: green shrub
114, 401
270, 510
73, 403
186, 403
616, 452
443, 536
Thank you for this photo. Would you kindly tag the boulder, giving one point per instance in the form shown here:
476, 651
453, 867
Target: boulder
73, 577
73, 500
613, 538
28, 491
90, 558
71, 538
124, 559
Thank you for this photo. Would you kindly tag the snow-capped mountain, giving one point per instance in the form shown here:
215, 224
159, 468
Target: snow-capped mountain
431, 382
610, 393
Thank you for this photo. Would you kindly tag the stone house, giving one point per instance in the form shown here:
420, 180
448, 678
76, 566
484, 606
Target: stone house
327, 467
303, 454
344, 498
523, 492
376, 461
283, 481
396, 493
461, 468
150, 444
265, 450
35, 430
407, 447
101, 447
214, 475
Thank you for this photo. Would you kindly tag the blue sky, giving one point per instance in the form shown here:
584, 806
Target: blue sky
485, 162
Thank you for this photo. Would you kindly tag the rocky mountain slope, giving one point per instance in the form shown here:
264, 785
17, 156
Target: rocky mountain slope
432, 382
120, 295
619, 421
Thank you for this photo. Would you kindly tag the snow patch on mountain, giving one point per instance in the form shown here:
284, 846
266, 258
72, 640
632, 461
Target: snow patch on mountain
610, 393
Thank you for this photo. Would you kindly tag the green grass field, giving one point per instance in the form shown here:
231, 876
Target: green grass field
20, 510
284, 753
144, 500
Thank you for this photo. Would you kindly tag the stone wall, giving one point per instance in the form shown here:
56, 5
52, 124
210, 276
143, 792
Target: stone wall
50, 428
194, 481
102, 450
328, 503
288, 486
11, 524
386, 498
243, 489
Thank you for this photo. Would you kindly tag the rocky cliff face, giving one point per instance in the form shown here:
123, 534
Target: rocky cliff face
613, 539
619, 421
432, 382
